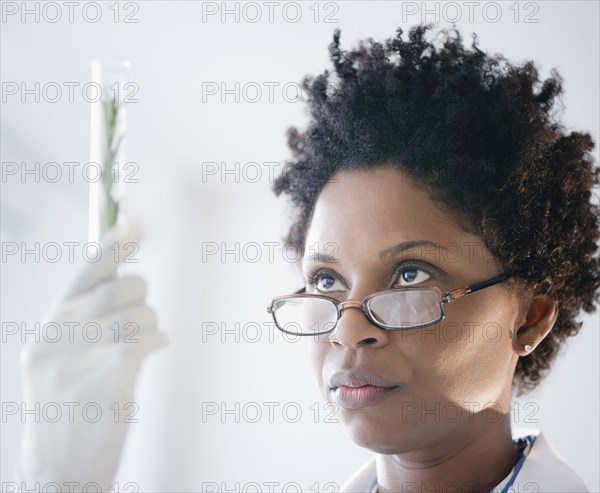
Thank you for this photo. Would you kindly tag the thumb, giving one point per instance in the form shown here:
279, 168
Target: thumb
119, 244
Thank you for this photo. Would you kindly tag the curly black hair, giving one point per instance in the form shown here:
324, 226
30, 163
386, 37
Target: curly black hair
483, 137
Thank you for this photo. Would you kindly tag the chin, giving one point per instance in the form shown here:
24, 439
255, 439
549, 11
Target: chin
381, 444
381, 438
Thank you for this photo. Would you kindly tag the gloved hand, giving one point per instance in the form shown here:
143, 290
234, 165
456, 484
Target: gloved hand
88, 375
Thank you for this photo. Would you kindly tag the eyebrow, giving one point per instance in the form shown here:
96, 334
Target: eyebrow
389, 252
407, 245
320, 257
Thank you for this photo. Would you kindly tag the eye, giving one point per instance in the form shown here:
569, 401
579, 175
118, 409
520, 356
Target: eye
410, 275
324, 282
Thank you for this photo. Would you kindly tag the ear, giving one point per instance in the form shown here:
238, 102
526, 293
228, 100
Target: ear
540, 314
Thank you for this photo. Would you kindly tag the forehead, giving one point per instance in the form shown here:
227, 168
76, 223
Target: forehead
364, 212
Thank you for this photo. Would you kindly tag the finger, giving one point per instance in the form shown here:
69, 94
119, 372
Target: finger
138, 329
103, 298
118, 245
132, 329
153, 340
126, 324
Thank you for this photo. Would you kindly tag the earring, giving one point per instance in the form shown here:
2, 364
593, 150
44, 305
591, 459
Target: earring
527, 347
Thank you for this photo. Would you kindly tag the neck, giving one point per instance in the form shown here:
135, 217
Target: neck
474, 461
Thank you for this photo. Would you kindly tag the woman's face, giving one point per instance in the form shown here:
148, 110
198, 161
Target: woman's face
439, 378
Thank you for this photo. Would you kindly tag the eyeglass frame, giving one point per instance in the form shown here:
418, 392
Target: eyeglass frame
363, 305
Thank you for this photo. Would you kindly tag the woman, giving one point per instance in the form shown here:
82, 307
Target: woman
424, 171
426, 165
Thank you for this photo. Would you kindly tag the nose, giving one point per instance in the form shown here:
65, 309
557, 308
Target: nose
354, 328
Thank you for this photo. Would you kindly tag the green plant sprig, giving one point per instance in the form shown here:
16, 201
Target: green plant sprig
110, 212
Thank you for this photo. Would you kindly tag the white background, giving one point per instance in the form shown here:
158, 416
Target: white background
171, 133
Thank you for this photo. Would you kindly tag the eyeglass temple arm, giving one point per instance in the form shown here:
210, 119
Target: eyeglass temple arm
458, 293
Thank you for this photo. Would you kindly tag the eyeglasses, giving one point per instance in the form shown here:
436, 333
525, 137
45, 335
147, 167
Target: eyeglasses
392, 309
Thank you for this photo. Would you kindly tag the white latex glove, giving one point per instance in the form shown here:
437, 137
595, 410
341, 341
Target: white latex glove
91, 375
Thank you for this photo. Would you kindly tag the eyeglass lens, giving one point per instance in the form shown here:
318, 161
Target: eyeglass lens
399, 309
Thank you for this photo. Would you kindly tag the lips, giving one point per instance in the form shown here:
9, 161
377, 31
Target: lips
357, 378
359, 388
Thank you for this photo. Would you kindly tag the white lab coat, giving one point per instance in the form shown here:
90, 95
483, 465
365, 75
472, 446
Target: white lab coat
543, 471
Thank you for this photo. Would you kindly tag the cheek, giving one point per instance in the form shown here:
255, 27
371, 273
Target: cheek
467, 357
